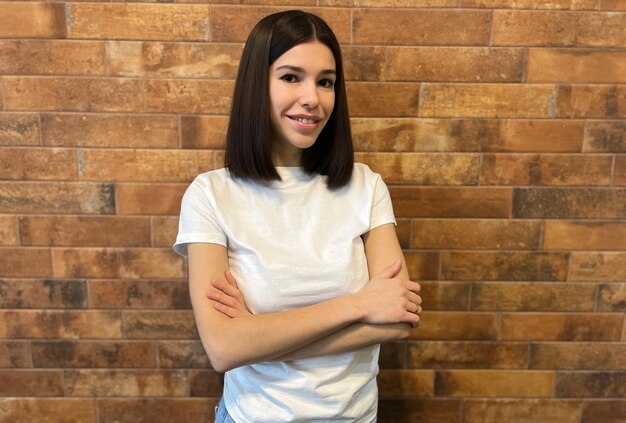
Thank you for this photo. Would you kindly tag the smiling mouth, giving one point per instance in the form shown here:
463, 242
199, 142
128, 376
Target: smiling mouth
303, 120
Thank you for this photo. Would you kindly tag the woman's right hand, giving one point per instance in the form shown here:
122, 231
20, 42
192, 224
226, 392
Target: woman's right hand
387, 298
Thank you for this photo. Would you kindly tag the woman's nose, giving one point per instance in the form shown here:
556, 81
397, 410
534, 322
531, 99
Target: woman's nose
309, 96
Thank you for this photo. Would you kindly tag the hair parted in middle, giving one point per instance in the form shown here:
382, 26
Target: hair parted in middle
248, 140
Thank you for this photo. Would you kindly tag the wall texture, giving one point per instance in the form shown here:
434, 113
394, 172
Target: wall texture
499, 126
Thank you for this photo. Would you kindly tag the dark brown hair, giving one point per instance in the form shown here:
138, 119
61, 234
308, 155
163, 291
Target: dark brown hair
248, 140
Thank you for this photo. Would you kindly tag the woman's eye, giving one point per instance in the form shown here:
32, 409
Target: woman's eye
289, 78
326, 83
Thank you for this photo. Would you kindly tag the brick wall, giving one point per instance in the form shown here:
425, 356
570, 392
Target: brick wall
499, 126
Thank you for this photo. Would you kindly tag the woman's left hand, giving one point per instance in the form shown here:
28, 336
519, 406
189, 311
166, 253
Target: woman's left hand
227, 297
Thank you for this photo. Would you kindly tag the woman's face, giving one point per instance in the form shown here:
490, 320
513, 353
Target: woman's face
302, 98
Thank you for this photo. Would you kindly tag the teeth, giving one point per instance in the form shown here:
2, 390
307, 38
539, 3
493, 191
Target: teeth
303, 120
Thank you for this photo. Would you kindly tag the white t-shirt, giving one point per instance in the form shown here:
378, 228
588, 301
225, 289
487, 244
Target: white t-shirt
292, 243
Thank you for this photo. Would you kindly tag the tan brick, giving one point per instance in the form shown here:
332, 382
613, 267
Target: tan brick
206, 383
614, 5
164, 231
569, 203
117, 263
436, 27
467, 355
456, 326
426, 410
531, 4
561, 326
174, 59
139, 294
159, 199
32, 20
138, 21
584, 235
50, 410
14, 354
576, 65
604, 411
406, 383
494, 383
189, 96
19, 129
422, 265
578, 356
125, 383
364, 63
619, 172
455, 64
442, 295
203, 131
19, 197
609, 266
156, 410
400, 135
389, 3
60, 324
183, 355
25, 262
85, 231
143, 165
591, 101
590, 384
381, 99
423, 169
475, 234
160, 325
487, 100
51, 293
533, 296
605, 136
52, 57
504, 266
545, 169
403, 232
612, 297
75, 94
30, 383
98, 130
8, 230
521, 411
451, 202
548, 28
93, 354
38, 164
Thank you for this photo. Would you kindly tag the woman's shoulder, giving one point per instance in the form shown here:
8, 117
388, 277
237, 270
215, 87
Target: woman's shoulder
363, 172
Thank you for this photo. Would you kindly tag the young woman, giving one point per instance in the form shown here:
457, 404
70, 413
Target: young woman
296, 275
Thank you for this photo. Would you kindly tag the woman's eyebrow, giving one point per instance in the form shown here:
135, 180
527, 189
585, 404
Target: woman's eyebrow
300, 70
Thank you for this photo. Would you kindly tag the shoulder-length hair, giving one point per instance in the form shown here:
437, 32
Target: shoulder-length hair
248, 140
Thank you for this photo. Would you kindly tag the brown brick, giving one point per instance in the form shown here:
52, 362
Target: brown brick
604, 411
578, 356
521, 411
545, 28
389, 3
52, 57
51, 293
25, 262
30, 383
467, 355
487, 100
591, 101
143, 165
174, 59
19, 129
561, 326
93, 354
605, 136
38, 164
436, 27
451, 202
50, 410
576, 65
182, 355
32, 20
422, 265
160, 325
126, 383
188, 96
533, 296
142, 294
475, 234
619, 172
164, 231
8, 230
504, 266
364, 63
493, 383
607, 266
14, 354
403, 231
138, 21
117, 263
423, 410
400, 135
615, 5
531, 4
381, 99
392, 355
445, 295
455, 64
73, 94
584, 235
457, 326
206, 383
159, 199
60, 324
544, 169
161, 410
98, 130
612, 297
424, 169
406, 383
203, 131
590, 384
569, 203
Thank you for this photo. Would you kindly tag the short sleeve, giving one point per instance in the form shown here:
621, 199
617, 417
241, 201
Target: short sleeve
382, 209
198, 221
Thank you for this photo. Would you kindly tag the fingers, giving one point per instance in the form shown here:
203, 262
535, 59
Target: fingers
220, 297
225, 287
391, 271
231, 279
224, 309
